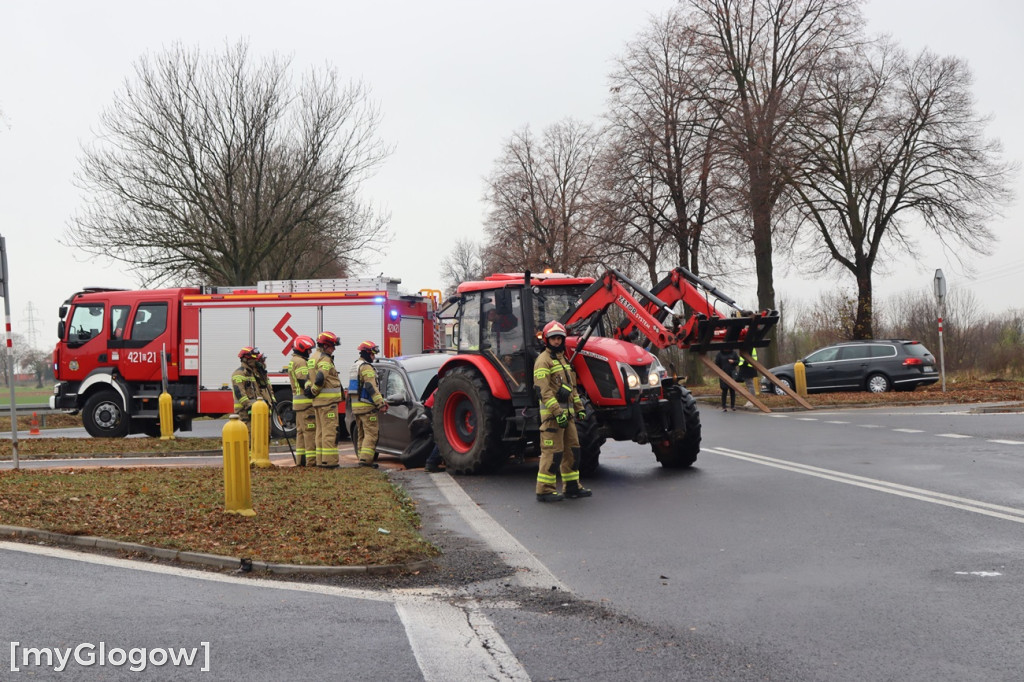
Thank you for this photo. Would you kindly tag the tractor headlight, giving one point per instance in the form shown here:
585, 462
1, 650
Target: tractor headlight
630, 376
657, 373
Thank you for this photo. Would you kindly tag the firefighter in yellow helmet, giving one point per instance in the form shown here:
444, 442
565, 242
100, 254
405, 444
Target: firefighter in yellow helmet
560, 405
324, 388
367, 403
243, 383
305, 415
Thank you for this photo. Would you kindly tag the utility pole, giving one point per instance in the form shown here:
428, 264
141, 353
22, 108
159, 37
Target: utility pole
940, 297
30, 325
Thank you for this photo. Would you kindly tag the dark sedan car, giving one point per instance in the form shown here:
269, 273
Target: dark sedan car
404, 381
878, 365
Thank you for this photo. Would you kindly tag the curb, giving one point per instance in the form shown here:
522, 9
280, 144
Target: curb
242, 564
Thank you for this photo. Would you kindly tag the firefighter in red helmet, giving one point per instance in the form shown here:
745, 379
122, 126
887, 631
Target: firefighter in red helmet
367, 403
560, 404
305, 415
243, 383
323, 386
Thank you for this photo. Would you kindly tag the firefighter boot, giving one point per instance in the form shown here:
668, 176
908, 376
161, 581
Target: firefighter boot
549, 497
574, 490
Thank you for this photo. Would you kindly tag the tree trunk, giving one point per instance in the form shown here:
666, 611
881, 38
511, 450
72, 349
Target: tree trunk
863, 326
761, 213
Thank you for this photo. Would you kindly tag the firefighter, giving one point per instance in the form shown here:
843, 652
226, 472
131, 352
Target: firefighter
263, 388
559, 405
243, 383
305, 415
367, 403
323, 387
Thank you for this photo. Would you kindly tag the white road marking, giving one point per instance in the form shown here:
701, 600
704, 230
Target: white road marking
453, 643
837, 422
951, 435
963, 503
909, 430
1006, 442
869, 426
102, 560
532, 573
981, 574
807, 419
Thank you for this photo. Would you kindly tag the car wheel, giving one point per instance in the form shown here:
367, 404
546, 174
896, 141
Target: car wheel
282, 417
782, 380
878, 383
104, 416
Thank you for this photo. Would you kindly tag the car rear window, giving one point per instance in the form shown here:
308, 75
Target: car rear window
915, 349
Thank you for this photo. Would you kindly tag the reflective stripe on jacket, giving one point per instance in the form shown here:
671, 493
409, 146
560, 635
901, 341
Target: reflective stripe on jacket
363, 386
551, 373
298, 371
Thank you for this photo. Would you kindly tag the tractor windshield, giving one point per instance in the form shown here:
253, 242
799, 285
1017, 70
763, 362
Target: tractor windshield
551, 303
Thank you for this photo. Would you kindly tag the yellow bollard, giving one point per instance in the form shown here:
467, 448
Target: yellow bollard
166, 417
237, 485
261, 435
800, 373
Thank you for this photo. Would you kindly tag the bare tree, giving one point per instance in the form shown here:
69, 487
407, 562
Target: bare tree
463, 263
892, 139
542, 201
764, 53
661, 165
221, 168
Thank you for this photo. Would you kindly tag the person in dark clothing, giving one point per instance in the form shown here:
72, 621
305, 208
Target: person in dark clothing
727, 361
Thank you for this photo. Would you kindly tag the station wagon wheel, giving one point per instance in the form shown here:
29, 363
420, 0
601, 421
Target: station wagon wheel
878, 383
782, 380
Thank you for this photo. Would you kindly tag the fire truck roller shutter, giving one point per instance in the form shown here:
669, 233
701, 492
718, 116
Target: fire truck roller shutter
412, 335
222, 331
354, 324
276, 328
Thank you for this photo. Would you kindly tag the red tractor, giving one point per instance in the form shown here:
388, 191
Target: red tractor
485, 409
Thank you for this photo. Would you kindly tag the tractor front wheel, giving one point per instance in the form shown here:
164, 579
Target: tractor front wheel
681, 452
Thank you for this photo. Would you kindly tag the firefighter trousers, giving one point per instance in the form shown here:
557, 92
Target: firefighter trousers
367, 430
326, 435
305, 435
559, 449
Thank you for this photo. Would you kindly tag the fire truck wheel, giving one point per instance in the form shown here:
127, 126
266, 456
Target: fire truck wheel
282, 418
682, 452
591, 440
469, 421
104, 417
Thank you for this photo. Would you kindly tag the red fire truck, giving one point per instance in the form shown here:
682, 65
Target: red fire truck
117, 349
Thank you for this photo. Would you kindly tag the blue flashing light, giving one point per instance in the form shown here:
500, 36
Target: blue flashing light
378, 299
393, 313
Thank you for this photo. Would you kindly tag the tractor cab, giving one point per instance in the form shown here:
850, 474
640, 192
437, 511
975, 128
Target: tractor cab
501, 320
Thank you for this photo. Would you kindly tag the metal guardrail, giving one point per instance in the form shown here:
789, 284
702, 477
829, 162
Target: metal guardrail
22, 409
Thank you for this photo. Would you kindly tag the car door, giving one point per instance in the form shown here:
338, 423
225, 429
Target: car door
821, 370
853, 366
141, 347
394, 424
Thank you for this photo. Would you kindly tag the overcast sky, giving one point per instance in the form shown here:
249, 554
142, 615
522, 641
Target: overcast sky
453, 79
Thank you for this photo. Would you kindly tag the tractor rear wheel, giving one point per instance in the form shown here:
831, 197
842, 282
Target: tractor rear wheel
468, 423
679, 453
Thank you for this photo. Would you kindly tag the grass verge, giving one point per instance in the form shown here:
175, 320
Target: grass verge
303, 516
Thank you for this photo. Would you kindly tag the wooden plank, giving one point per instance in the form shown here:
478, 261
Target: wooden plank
739, 388
775, 380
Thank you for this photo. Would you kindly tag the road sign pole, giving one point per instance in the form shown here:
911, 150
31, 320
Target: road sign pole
6, 291
940, 296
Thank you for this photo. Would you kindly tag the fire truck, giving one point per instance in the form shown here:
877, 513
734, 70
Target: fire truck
117, 350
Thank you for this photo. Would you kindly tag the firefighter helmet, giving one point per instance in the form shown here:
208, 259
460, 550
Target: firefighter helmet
303, 344
368, 347
327, 339
554, 328
248, 352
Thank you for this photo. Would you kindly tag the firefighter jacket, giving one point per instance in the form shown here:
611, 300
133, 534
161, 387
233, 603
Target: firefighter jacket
263, 388
243, 385
298, 372
556, 382
323, 380
362, 384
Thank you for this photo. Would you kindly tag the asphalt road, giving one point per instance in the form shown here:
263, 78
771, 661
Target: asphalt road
841, 545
